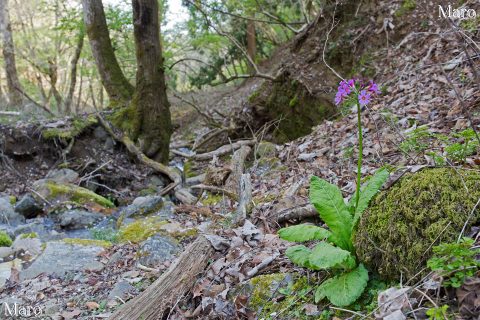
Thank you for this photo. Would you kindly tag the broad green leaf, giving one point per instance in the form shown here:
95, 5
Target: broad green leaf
345, 289
367, 192
303, 232
299, 255
328, 201
326, 256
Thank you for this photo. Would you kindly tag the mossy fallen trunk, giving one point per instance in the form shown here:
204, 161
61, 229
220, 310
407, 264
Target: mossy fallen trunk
396, 234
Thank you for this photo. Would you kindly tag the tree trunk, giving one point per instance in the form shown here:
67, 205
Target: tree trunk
251, 43
13, 84
150, 99
117, 86
73, 72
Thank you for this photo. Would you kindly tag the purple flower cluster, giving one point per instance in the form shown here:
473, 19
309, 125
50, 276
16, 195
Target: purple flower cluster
353, 85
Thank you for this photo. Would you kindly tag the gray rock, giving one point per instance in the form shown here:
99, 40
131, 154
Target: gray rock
100, 133
167, 211
122, 290
41, 226
143, 206
307, 157
31, 247
6, 270
7, 214
157, 249
94, 266
28, 207
78, 219
62, 176
157, 181
6, 252
60, 258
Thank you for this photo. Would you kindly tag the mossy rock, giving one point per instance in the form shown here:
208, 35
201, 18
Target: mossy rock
141, 230
54, 192
76, 127
396, 234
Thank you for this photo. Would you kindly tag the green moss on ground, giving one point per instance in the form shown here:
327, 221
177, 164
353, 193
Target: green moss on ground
78, 125
396, 234
407, 5
88, 242
211, 199
30, 235
140, 230
13, 200
5, 240
73, 193
280, 296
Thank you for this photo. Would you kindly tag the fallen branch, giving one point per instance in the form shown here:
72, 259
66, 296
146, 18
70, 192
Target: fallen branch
132, 148
214, 189
297, 213
262, 265
9, 113
155, 302
224, 150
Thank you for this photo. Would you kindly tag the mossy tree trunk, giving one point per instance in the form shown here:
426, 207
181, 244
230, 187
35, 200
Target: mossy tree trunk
150, 98
146, 116
117, 86
13, 84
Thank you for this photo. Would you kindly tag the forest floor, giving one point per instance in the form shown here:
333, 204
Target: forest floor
83, 260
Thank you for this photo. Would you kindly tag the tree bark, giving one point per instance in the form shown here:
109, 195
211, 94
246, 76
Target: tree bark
251, 43
162, 295
150, 99
13, 84
117, 86
73, 72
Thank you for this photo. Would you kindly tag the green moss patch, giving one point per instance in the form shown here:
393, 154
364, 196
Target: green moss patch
5, 240
140, 230
52, 191
279, 296
88, 242
396, 234
77, 126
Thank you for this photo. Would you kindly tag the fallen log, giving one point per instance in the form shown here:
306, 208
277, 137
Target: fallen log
164, 293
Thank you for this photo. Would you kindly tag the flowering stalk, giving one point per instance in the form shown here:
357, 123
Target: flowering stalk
354, 92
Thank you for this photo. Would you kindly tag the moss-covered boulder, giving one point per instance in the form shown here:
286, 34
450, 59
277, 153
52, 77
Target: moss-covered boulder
55, 192
396, 234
